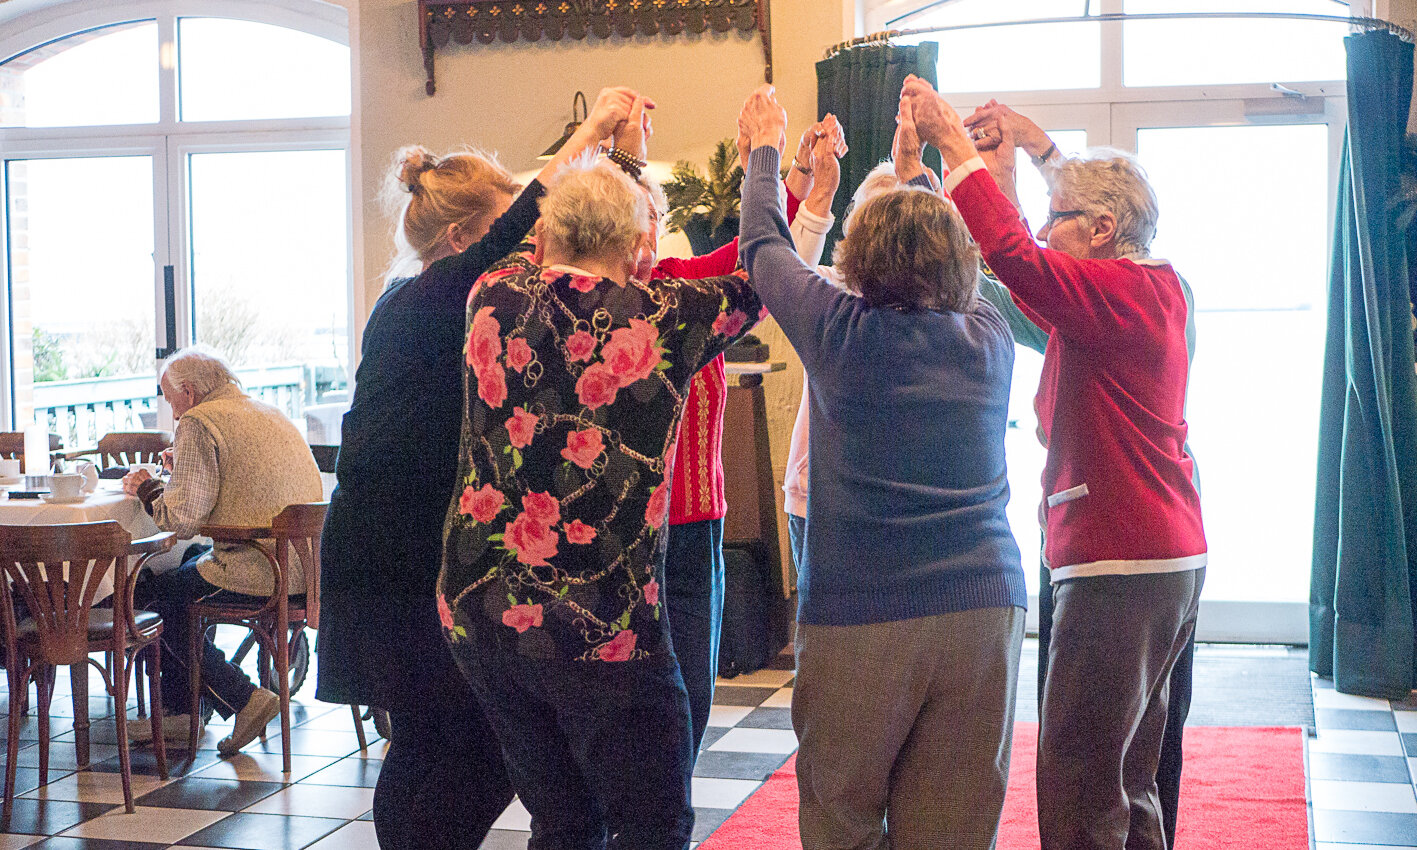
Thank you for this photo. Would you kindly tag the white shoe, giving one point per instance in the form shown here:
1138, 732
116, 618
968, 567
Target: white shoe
174, 730
260, 709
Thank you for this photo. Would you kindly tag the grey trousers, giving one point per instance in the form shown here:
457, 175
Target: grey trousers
1115, 640
904, 730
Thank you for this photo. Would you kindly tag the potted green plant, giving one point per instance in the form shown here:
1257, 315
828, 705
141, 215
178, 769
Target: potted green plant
706, 208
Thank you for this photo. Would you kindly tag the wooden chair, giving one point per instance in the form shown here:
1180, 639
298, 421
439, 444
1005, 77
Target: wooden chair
294, 531
12, 444
125, 448
56, 571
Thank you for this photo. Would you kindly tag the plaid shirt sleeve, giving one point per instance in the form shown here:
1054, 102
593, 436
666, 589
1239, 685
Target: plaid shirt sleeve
190, 494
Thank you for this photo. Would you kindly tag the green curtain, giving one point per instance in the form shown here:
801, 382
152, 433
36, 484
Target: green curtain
1361, 604
861, 86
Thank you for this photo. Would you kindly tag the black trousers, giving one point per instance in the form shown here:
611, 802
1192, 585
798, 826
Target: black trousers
693, 590
443, 782
1168, 771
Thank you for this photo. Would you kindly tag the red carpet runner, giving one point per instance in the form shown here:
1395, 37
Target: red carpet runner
1243, 788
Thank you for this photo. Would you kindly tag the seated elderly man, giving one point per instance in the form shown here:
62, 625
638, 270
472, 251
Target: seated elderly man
237, 461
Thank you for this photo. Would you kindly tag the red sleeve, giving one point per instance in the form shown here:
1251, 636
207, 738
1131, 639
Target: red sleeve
1091, 301
1042, 323
793, 202
719, 262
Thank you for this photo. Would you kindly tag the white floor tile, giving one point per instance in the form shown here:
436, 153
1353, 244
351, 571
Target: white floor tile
317, 801
781, 699
16, 842
265, 767
1356, 743
358, 835
515, 817
1406, 720
158, 825
1363, 796
721, 793
757, 741
1334, 699
761, 679
728, 715
87, 787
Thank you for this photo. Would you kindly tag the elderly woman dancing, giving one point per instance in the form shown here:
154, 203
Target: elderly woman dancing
912, 580
551, 589
1125, 543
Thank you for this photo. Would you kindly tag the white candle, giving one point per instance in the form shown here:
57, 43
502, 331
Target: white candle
36, 449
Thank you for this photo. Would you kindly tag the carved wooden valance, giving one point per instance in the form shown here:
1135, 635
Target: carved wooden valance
486, 21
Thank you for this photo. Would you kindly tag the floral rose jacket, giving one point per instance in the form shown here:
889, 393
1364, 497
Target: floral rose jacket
574, 390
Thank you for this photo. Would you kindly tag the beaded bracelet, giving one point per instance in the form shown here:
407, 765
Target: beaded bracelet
627, 162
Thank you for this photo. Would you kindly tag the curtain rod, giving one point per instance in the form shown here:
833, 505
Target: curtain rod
1364, 23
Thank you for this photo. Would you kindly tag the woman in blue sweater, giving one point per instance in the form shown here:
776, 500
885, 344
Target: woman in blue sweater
911, 607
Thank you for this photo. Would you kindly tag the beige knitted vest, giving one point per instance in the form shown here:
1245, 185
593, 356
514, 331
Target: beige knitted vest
263, 465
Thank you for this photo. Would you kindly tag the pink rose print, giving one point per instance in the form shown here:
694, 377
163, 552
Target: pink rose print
652, 593
542, 508
484, 341
762, 313
658, 507
531, 541
579, 532
620, 648
581, 283
579, 346
491, 385
521, 427
518, 353
482, 505
522, 617
495, 275
633, 352
597, 386
727, 324
583, 447
445, 614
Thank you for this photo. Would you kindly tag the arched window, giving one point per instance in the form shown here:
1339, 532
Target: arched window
1239, 124
173, 172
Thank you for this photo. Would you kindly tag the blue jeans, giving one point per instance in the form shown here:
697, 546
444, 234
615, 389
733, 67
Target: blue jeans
693, 590
797, 537
599, 753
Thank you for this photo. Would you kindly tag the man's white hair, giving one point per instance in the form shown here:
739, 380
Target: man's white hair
199, 368
1110, 180
877, 181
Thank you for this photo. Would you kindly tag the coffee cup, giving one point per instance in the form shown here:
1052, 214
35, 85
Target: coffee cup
9, 467
68, 485
153, 469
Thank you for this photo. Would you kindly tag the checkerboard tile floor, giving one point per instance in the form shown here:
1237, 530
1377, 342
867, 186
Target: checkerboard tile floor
1361, 765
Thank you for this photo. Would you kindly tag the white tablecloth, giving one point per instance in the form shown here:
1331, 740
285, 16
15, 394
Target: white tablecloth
105, 504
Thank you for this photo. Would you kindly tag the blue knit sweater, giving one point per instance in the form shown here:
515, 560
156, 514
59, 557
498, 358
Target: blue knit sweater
905, 505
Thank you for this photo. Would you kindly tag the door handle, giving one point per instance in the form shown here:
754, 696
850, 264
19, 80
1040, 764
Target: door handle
169, 308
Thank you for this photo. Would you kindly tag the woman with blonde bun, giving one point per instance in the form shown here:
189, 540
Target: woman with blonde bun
442, 783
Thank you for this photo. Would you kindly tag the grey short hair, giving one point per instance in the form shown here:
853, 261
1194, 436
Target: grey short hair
877, 181
199, 368
593, 209
1109, 180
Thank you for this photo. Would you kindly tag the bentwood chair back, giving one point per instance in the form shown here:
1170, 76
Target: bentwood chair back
56, 572
293, 533
125, 448
12, 444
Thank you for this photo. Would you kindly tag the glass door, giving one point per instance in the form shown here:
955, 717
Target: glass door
1245, 212
85, 246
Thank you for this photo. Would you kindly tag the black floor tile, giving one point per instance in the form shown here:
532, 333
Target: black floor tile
369, 815
1355, 719
741, 695
707, 820
353, 772
93, 844
145, 762
1357, 767
221, 795
767, 718
1409, 743
263, 832
711, 736
27, 778
721, 764
505, 839
1365, 827
47, 817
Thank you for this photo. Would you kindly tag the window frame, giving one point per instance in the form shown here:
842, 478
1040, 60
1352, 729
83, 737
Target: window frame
168, 139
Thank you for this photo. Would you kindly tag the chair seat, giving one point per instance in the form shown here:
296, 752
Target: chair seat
227, 605
100, 624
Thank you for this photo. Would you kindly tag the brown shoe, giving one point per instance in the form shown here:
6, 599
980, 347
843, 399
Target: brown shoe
260, 709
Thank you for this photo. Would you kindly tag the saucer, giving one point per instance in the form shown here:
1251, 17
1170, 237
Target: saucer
63, 500
11, 480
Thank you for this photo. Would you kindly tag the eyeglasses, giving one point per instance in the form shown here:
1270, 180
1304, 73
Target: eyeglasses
1055, 216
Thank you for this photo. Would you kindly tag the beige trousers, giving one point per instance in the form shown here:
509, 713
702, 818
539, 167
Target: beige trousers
905, 730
